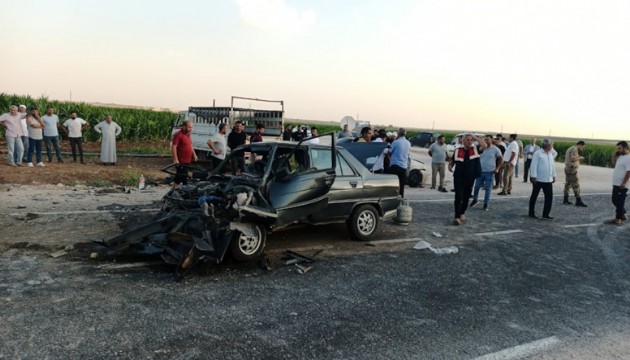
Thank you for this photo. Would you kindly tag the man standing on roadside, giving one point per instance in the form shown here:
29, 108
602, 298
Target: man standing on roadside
491, 160
74, 127
571, 164
314, 136
25, 141
519, 157
108, 130
237, 138
467, 166
366, 134
183, 153
509, 161
438, 154
51, 133
257, 135
498, 177
621, 176
529, 151
218, 146
12, 134
35, 137
286, 134
399, 159
345, 132
543, 175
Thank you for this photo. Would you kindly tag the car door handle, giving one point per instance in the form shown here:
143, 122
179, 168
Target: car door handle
353, 184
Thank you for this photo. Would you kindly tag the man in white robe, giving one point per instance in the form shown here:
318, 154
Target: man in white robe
108, 130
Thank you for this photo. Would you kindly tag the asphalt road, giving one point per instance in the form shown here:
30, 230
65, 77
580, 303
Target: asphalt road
516, 287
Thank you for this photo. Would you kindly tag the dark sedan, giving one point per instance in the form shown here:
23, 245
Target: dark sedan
283, 184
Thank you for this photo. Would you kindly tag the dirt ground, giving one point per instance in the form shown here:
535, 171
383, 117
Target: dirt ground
125, 172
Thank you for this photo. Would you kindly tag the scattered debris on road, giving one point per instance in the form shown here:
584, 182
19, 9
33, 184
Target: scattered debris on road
421, 245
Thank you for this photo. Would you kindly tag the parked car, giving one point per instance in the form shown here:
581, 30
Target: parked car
424, 139
283, 184
368, 153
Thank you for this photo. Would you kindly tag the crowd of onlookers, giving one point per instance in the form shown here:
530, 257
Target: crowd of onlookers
492, 163
27, 134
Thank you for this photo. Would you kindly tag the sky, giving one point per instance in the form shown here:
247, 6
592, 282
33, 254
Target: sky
549, 67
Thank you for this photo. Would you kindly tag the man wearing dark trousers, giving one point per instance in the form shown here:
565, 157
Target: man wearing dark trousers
542, 175
467, 166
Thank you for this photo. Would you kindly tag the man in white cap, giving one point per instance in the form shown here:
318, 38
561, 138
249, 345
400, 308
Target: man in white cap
13, 132
25, 142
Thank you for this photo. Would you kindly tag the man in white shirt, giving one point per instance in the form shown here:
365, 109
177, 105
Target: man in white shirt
509, 161
13, 135
542, 175
217, 145
621, 176
51, 134
74, 127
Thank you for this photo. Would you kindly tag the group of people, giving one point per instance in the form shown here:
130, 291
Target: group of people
25, 131
477, 161
394, 159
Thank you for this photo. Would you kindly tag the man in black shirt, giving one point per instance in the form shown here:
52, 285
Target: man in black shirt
237, 138
286, 134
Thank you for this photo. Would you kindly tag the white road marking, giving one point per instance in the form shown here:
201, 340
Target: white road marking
393, 241
499, 232
521, 351
580, 225
74, 212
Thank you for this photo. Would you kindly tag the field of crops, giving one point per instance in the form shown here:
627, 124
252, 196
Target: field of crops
140, 125
136, 124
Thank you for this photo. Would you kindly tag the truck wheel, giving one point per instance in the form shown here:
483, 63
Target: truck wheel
415, 178
245, 247
363, 223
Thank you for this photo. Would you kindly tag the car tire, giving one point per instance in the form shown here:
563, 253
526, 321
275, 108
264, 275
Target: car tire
415, 178
363, 222
248, 248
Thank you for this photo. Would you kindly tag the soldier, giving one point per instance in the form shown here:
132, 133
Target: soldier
571, 163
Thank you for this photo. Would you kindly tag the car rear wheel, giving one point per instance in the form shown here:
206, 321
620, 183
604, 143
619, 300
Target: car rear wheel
415, 178
247, 247
363, 223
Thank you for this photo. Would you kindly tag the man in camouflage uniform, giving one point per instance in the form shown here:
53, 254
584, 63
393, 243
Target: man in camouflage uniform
571, 163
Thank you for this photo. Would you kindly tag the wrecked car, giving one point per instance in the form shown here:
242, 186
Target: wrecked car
282, 184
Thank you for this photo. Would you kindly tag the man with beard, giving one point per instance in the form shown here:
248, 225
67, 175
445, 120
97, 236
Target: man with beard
183, 153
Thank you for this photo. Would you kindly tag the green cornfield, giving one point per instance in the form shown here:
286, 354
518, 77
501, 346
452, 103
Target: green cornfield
137, 124
146, 125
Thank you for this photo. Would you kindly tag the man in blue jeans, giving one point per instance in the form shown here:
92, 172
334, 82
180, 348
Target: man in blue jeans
51, 134
491, 161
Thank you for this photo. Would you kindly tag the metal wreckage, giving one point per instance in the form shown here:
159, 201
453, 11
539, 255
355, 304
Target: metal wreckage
282, 184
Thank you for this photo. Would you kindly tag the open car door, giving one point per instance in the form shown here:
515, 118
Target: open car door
302, 178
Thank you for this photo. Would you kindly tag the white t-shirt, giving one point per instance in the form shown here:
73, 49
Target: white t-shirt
25, 127
74, 127
511, 148
51, 123
218, 141
621, 167
34, 133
